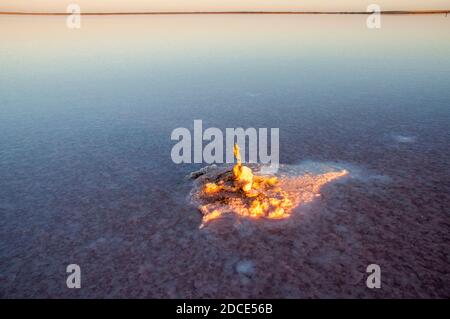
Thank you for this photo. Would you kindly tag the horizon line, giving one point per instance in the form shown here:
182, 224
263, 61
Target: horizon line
225, 12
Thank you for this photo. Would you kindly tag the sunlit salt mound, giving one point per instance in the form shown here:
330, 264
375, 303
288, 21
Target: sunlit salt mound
240, 191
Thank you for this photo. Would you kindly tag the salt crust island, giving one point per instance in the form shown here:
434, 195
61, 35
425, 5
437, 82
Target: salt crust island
241, 191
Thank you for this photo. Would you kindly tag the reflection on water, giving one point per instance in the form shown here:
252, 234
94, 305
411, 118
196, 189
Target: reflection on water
86, 175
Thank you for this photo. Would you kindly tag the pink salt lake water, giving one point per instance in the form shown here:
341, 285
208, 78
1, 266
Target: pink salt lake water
86, 175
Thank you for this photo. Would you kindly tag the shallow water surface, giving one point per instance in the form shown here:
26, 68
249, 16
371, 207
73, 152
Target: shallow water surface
86, 175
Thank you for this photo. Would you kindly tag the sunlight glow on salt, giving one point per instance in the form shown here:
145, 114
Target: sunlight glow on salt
241, 192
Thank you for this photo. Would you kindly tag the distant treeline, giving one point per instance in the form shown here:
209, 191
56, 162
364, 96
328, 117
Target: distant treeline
229, 12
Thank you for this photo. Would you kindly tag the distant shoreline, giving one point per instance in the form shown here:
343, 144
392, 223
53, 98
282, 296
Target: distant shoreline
224, 12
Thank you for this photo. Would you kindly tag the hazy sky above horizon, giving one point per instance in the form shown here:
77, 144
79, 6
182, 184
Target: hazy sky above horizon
218, 5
